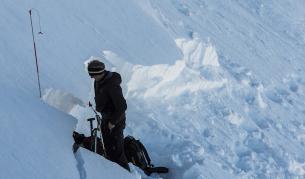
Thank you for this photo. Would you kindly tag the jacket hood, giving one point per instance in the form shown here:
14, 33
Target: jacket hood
113, 77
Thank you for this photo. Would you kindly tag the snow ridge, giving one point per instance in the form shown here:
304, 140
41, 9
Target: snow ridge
215, 89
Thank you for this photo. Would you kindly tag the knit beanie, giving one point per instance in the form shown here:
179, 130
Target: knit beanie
96, 67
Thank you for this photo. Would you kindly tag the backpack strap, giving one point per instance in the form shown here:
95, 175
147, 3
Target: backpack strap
145, 153
148, 171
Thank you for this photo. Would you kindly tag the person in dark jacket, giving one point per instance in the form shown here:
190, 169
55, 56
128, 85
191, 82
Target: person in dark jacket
111, 103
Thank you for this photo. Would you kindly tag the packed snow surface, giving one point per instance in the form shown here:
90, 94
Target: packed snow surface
215, 89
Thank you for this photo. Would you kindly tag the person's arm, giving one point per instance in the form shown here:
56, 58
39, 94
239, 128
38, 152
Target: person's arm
98, 102
119, 103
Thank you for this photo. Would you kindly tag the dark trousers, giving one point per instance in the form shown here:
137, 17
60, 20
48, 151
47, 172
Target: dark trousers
114, 144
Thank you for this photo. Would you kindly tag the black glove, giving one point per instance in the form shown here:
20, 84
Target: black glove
78, 138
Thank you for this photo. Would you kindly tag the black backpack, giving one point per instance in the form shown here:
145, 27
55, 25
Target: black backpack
137, 154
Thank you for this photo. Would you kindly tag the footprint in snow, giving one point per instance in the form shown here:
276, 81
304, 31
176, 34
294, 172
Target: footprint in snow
241, 74
183, 9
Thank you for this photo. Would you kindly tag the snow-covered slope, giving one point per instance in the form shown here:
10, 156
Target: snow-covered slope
215, 89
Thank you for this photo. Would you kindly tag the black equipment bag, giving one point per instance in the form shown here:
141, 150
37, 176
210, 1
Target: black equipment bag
137, 154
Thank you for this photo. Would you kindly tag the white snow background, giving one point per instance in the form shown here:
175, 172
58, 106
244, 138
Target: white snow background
215, 89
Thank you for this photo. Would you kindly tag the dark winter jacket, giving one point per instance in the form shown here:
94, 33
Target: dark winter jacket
109, 99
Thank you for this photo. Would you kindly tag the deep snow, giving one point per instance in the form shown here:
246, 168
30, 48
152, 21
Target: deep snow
215, 89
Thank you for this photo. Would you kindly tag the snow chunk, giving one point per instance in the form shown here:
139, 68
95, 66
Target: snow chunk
261, 102
197, 53
210, 56
61, 100
168, 81
297, 168
236, 119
